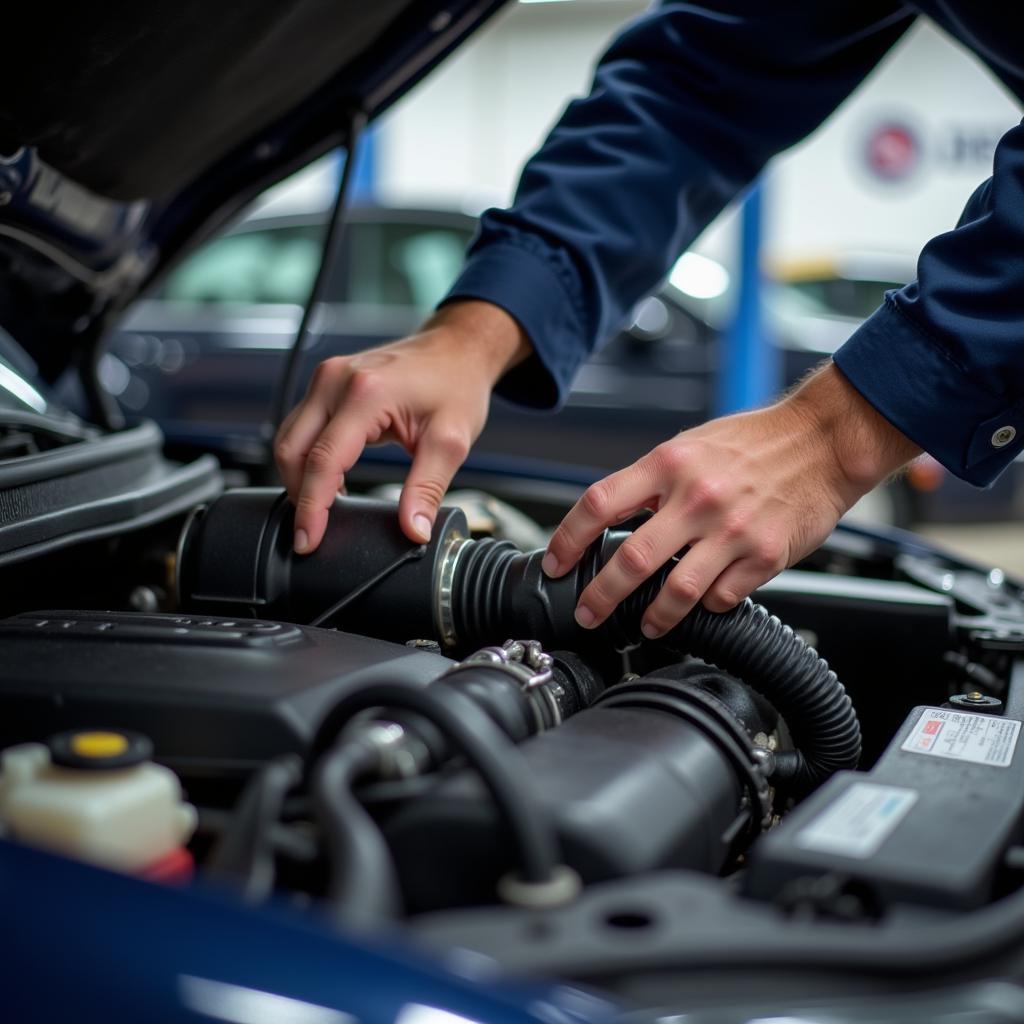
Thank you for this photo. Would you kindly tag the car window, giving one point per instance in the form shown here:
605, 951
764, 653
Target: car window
838, 296
407, 265
261, 265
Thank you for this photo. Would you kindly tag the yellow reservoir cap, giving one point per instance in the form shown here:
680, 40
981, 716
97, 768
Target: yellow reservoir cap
99, 744
99, 750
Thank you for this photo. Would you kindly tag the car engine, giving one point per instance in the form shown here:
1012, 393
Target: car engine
421, 737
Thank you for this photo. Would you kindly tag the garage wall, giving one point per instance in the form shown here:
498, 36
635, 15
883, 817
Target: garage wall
897, 162
890, 170
461, 137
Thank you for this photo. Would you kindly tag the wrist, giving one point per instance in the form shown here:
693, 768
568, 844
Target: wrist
865, 447
484, 332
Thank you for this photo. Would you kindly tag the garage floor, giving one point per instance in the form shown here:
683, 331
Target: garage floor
996, 544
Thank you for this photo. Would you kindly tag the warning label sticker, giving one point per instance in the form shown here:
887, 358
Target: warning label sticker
858, 822
980, 739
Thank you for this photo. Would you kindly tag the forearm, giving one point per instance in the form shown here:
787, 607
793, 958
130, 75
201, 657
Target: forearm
483, 333
854, 440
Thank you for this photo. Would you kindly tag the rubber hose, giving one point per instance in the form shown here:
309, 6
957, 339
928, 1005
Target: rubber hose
364, 884
474, 735
754, 645
500, 591
244, 853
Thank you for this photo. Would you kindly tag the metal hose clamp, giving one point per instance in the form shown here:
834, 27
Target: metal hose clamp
530, 666
444, 615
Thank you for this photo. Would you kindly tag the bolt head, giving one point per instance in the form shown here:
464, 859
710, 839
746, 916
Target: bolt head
1003, 436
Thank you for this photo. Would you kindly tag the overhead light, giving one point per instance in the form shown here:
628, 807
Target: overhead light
699, 277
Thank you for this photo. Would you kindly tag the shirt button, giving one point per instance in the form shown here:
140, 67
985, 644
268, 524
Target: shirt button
1003, 436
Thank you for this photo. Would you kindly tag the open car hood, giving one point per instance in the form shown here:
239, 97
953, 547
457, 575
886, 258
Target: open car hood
131, 133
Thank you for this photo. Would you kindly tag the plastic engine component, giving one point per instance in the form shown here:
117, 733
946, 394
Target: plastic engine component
217, 696
629, 789
95, 488
236, 557
929, 824
128, 818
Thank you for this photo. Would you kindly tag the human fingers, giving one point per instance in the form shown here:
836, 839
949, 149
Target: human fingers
305, 423
439, 454
685, 585
744, 576
603, 504
330, 456
638, 557
294, 438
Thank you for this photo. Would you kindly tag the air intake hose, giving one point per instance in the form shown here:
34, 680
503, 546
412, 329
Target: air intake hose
236, 557
495, 585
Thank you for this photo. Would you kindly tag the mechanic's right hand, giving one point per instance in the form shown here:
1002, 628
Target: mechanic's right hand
429, 393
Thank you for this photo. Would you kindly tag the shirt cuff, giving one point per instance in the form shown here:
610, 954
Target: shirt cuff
523, 284
925, 393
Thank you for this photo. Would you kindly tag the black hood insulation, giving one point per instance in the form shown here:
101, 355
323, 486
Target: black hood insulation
136, 101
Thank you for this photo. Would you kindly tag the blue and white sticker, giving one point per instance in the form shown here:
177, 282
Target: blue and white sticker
961, 736
858, 822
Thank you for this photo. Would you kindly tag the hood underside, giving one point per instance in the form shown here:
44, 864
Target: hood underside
130, 132
136, 102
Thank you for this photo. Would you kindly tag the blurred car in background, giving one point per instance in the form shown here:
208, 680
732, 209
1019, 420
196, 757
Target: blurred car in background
203, 352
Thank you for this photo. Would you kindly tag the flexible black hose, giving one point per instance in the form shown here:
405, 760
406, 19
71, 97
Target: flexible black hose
244, 853
363, 882
750, 643
286, 840
500, 591
473, 734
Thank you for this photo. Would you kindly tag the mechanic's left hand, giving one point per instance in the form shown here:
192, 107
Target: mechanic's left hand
748, 494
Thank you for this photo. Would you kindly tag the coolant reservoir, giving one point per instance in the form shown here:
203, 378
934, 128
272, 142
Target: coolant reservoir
98, 797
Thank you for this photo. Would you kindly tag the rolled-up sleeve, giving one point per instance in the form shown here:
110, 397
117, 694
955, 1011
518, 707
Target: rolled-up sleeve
943, 358
686, 107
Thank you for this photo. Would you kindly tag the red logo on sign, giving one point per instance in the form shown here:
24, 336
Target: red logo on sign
891, 151
932, 727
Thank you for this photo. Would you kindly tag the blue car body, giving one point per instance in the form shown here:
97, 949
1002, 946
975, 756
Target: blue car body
85, 944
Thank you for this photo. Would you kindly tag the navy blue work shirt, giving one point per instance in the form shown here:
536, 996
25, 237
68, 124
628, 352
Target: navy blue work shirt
687, 106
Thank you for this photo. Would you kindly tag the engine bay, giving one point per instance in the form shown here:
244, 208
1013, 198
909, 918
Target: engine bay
421, 738
397, 783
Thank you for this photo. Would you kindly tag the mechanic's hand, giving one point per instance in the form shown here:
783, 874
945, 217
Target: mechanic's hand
428, 392
748, 495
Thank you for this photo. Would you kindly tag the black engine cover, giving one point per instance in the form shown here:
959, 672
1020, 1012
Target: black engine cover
217, 696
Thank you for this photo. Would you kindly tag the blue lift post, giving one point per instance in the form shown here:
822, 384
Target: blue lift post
749, 371
364, 174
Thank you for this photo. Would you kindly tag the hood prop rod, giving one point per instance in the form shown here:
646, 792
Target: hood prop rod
328, 257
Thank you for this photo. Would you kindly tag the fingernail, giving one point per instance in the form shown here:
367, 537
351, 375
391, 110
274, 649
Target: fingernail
423, 526
650, 631
585, 617
549, 564
301, 542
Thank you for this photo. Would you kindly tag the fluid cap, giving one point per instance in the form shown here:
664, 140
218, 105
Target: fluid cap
99, 749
